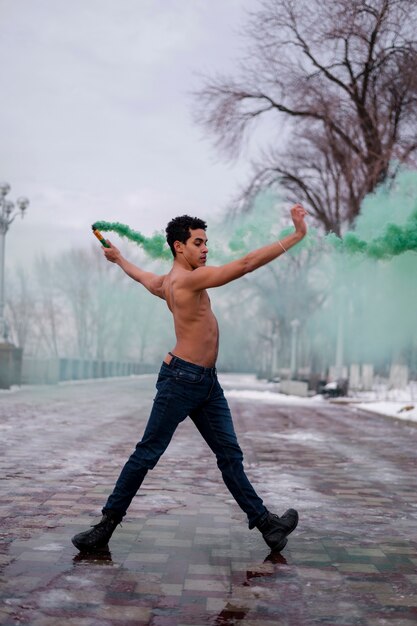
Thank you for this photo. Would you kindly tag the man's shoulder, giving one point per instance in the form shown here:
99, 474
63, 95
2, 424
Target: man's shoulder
180, 277
183, 282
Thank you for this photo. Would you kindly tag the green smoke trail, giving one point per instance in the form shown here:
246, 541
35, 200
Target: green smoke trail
154, 246
394, 241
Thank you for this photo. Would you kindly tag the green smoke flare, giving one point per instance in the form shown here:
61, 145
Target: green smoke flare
154, 246
394, 241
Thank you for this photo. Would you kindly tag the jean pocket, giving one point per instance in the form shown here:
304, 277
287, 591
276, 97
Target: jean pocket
164, 376
187, 376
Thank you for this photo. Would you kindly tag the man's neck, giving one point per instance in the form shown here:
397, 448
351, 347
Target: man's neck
181, 263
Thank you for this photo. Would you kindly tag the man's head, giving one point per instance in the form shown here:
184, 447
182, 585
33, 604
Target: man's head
179, 229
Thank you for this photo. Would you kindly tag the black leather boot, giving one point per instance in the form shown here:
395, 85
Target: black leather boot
275, 529
99, 535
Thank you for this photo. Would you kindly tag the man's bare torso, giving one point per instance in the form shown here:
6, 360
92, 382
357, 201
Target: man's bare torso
184, 287
196, 327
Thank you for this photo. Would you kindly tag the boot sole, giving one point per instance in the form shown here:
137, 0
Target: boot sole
82, 548
279, 546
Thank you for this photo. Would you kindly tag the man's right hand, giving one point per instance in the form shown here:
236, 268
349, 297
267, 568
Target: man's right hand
112, 253
298, 214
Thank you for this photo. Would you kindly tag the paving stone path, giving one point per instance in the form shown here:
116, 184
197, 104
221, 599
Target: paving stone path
184, 555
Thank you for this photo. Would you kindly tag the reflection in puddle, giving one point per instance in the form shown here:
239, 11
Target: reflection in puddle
103, 556
238, 609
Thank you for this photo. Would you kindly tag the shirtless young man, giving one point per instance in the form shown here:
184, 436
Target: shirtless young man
187, 384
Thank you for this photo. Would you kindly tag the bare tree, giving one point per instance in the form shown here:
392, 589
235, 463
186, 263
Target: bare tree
343, 74
74, 270
20, 308
50, 309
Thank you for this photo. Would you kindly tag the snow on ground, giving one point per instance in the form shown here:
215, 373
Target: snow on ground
270, 396
399, 410
396, 403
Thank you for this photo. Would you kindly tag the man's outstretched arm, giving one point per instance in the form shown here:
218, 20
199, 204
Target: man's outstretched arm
207, 277
152, 282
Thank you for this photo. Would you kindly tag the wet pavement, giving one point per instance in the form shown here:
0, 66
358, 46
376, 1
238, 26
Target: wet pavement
184, 555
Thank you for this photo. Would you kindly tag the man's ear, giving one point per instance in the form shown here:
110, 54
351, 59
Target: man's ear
178, 246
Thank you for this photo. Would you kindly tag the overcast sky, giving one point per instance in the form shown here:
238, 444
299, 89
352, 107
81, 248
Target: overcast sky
96, 114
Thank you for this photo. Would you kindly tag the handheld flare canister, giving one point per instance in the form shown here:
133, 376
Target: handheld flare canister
100, 237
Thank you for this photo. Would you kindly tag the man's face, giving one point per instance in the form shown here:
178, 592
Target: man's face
195, 248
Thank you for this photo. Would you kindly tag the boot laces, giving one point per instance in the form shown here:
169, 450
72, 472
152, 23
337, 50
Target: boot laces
106, 522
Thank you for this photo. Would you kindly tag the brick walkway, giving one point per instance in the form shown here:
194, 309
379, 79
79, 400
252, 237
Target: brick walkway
184, 556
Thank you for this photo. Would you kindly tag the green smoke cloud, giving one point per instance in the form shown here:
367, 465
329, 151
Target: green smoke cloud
367, 279
371, 278
394, 241
154, 246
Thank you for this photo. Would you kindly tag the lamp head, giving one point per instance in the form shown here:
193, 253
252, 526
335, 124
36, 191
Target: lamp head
4, 189
23, 204
8, 208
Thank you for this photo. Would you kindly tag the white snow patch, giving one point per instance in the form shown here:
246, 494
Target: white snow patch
241, 380
12, 389
270, 396
399, 410
397, 403
12, 601
50, 547
56, 598
297, 435
79, 580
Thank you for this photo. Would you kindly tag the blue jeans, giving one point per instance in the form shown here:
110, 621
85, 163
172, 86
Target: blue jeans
185, 389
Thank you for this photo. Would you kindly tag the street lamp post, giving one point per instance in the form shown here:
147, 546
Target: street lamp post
8, 213
340, 338
294, 332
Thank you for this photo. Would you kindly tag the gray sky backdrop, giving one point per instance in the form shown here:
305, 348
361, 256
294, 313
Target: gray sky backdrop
96, 114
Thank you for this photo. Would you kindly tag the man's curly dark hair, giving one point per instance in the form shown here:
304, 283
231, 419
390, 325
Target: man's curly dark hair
178, 229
